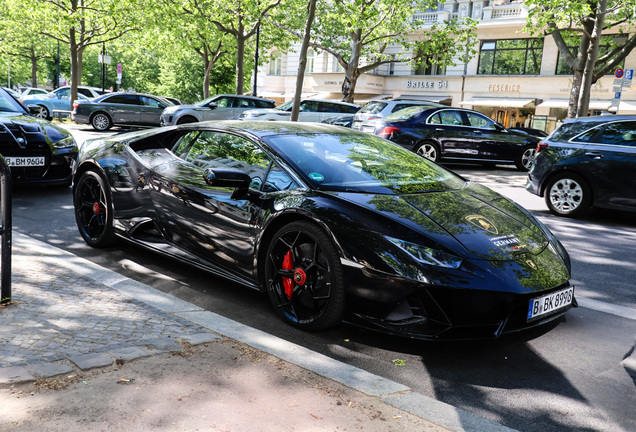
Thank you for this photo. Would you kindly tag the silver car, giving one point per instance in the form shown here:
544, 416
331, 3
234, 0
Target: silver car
220, 107
130, 109
311, 110
378, 109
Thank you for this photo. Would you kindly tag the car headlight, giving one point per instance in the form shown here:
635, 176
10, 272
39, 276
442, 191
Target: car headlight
251, 115
64, 143
426, 255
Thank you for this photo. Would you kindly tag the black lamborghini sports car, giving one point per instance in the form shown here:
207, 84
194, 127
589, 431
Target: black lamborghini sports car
332, 224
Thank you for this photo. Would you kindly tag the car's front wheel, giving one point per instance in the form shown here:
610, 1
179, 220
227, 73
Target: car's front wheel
428, 150
304, 277
101, 122
526, 159
568, 194
94, 210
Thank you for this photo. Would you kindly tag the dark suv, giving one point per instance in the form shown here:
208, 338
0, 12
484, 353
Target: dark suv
447, 134
587, 162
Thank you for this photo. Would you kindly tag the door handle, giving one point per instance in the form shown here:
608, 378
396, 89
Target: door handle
477, 132
143, 110
439, 130
594, 155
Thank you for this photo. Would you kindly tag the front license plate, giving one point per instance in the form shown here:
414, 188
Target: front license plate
368, 129
550, 303
25, 161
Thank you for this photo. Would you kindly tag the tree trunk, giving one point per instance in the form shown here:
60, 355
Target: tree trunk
34, 69
590, 60
300, 76
240, 55
75, 69
349, 84
573, 103
207, 65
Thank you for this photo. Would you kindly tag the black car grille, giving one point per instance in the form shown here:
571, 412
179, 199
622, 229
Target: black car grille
31, 145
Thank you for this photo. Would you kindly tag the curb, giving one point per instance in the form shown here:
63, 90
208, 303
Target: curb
388, 391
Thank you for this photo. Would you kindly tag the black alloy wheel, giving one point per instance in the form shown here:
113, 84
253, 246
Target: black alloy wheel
304, 277
568, 194
428, 150
101, 122
93, 210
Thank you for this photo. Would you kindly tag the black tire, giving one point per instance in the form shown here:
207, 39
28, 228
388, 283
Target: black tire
310, 294
428, 150
94, 210
568, 194
526, 158
101, 121
44, 113
186, 119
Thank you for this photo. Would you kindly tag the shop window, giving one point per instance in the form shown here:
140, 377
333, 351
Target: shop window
608, 42
275, 63
510, 57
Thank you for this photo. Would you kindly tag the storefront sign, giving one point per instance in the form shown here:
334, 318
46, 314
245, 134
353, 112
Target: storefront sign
504, 88
426, 84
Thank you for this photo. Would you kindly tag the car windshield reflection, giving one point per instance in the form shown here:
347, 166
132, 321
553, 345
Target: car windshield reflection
361, 163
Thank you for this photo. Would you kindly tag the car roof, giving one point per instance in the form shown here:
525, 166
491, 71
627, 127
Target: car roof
605, 118
265, 128
331, 101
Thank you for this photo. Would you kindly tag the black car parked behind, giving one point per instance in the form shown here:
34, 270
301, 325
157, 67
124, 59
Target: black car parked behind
587, 162
449, 134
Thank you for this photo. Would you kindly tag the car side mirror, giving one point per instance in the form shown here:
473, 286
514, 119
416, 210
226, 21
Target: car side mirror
500, 127
212, 105
227, 177
35, 109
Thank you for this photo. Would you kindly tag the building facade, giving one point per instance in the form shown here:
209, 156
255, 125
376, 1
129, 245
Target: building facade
515, 79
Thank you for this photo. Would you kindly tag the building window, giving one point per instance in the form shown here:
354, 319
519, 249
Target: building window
275, 63
337, 67
428, 66
510, 57
309, 68
573, 43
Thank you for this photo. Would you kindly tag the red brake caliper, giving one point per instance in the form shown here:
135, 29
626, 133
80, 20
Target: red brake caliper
288, 264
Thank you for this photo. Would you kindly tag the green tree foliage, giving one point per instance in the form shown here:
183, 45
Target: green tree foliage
589, 21
358, 32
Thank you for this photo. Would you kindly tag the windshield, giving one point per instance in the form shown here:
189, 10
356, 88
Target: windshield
358, 162
9, 104
373, 107
407, 113
286, 106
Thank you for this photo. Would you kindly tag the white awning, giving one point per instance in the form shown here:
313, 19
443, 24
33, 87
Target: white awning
627, 107
303, 95
267, 94
427, 98
563, 103
364, 98
499, 102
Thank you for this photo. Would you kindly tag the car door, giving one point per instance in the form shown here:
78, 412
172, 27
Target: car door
224, 110
123, 108
492, 142
206, 220
61, 100
451, 130
309, 111
151, 111
611, 156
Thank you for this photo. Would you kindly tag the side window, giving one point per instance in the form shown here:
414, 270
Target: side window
150, 102
480, 121
223, 150
245, 103
183, 144
309, 106
85, 92
329, 107
623, 133
398, 107
450, 117
586, 136
434, 119
264, 104
350, 109
224, 102
278, 180
64, 93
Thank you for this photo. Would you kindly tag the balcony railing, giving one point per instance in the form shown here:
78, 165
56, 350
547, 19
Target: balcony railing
482, 10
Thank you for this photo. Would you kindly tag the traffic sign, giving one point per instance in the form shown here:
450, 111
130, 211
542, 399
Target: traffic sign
119, 68
629, 74
619, 73
617, 95
616, 89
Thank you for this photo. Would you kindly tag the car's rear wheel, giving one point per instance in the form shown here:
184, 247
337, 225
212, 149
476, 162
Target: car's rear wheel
526, 159
94, 210
186, 119
428, 150
568, 194
101, 122
304, 277
44, 113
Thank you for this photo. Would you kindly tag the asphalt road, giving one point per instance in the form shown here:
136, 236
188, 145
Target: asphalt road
568, 376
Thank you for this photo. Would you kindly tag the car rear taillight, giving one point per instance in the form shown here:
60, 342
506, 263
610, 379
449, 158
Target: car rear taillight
75, 104
542, 146
388, 131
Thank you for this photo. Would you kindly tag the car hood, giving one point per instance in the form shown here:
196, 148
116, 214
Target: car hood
473, 222
20, 124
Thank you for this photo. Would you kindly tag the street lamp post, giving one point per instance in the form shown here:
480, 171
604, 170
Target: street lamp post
258, 34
